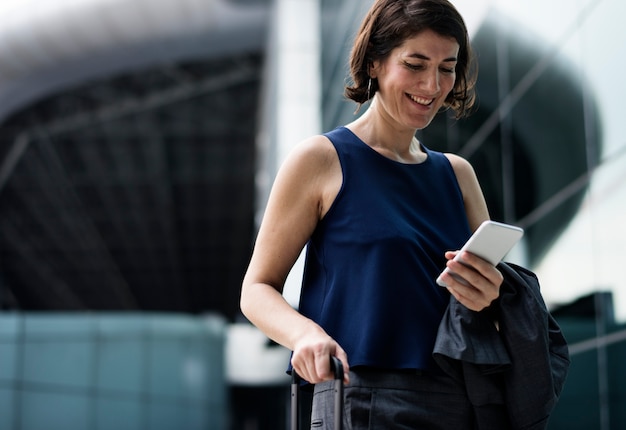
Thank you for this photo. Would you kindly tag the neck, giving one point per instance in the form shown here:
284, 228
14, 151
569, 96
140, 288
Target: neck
396, 143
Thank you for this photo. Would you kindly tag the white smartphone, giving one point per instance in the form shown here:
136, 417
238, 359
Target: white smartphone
491, 241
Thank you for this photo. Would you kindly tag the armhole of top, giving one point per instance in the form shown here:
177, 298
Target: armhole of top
343, 177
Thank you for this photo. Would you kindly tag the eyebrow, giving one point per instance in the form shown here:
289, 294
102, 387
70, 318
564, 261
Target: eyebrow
424, 57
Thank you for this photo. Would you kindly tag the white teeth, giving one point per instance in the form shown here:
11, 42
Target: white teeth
421, 100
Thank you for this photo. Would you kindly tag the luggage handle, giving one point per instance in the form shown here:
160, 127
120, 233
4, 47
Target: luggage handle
337, 368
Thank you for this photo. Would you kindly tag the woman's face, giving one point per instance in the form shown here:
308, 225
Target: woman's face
415, 79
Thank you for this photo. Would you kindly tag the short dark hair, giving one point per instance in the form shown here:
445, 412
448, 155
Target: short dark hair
388, 24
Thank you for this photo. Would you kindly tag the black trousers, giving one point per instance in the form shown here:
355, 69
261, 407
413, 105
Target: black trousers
381, 400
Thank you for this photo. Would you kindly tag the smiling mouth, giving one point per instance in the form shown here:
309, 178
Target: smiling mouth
420, 100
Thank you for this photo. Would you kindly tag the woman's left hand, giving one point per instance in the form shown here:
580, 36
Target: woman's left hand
483, 280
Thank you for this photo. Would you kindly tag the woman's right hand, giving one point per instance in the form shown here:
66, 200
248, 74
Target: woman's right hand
311, 358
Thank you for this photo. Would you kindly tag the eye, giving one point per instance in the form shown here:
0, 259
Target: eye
447, 70
413, 66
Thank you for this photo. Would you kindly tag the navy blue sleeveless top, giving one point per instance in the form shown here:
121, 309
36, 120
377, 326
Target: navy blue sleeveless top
372, 261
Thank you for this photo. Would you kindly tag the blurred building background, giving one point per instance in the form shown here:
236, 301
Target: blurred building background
138, 142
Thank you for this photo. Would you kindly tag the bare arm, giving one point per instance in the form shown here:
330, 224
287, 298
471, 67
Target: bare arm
475, 205
484, 279
304, 189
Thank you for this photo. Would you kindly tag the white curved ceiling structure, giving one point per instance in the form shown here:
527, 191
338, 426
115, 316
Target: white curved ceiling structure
46, 45
145, 111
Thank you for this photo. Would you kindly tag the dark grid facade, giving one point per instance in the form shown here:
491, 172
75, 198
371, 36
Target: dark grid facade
134, 193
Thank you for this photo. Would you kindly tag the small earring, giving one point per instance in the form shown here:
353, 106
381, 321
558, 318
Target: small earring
369, 88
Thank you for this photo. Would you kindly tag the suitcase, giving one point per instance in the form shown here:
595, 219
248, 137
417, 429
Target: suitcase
337, 369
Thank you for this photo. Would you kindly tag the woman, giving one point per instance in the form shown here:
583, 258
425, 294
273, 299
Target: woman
379, 212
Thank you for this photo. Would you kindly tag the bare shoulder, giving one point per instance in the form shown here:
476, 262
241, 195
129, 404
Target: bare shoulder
311, 173
312, 163
462, 168
313, 151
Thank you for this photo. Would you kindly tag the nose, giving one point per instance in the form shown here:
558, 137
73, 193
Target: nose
430, 81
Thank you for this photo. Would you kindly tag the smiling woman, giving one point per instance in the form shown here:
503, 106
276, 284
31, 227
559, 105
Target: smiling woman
393, 30
379, 213
422, 70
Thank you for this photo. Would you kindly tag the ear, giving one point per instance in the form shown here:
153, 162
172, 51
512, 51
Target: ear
373, 69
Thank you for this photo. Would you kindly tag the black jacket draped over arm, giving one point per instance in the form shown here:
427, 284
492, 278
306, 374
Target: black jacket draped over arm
522, 363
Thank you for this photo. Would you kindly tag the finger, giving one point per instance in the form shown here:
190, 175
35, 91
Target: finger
473, 290
305, 367
468, 303
450, 254
486, 269
471, 297
322, 366
458, 269
299, 367
343, 357
477, 273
